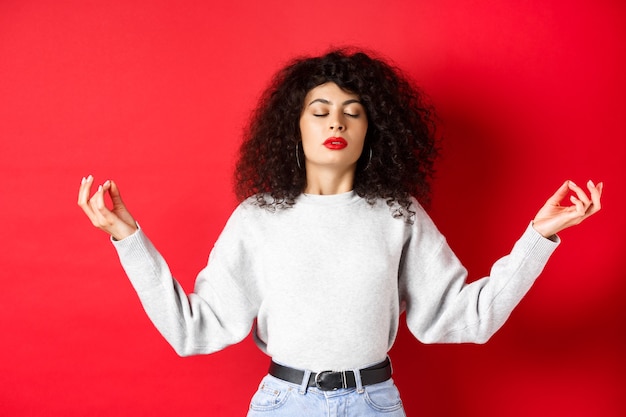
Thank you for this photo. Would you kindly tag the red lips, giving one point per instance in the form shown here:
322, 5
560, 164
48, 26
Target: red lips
335, 143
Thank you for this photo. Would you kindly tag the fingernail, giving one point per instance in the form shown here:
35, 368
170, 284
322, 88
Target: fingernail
107, 183
572, 184
84, 180
591, 183
99, 188
89, 178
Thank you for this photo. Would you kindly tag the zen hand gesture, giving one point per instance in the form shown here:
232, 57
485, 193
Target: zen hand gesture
116, 221
553, 217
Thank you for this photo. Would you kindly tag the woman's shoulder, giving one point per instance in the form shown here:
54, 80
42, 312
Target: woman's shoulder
263, 201
408, 210
258, 206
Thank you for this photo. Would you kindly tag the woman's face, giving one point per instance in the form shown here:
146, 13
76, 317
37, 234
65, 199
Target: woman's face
333, 125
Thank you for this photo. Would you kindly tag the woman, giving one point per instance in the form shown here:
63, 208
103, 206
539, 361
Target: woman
329, 244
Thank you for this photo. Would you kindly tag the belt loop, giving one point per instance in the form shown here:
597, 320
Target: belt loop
357, 380
305, 382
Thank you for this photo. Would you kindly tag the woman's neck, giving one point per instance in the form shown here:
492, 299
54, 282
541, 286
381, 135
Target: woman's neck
328, 181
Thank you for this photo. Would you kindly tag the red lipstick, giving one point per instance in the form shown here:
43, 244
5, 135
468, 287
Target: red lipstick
335, 143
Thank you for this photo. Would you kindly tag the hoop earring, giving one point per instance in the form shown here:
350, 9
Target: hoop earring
298, 155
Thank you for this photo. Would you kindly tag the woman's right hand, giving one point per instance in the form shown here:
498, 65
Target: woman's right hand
116, 221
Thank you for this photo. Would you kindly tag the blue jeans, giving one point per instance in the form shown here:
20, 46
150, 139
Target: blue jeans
277, 398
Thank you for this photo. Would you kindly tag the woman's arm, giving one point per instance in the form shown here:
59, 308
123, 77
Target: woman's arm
217, 314
443, 308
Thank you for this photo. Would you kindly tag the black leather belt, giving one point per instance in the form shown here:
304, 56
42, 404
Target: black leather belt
332, 380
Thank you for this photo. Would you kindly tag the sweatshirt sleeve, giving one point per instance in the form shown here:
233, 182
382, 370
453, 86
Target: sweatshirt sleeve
441, 307
217, 314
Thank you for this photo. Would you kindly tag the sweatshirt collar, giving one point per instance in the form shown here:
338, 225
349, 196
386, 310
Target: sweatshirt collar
328, 199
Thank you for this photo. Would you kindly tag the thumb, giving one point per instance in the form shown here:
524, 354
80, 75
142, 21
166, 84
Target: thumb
114, 192
560, 194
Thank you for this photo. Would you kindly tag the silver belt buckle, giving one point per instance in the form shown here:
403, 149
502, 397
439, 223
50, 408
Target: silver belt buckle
318, 376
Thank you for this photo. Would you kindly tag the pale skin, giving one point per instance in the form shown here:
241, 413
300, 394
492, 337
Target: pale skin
329, 111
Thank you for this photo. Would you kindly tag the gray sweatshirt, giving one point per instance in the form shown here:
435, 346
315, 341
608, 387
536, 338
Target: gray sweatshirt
323, 284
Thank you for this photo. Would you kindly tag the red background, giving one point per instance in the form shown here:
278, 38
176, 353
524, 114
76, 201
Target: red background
154, 94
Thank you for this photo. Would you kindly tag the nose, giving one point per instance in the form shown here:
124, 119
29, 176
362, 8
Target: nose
337, 125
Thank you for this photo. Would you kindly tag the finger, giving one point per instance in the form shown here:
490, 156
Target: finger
559, 195
580, 194
83, 197
596, 194
84, 189
114, 192
579, 206
99, 208
595, 191
600, 188
110, 188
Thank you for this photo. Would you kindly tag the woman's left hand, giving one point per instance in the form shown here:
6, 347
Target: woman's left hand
553, 217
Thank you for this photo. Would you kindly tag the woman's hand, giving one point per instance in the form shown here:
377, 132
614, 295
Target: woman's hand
116, 221
553, 217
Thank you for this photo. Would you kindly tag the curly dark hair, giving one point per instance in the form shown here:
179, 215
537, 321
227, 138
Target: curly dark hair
400, 133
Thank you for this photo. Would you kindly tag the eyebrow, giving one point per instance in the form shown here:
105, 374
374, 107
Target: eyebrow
325, 101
